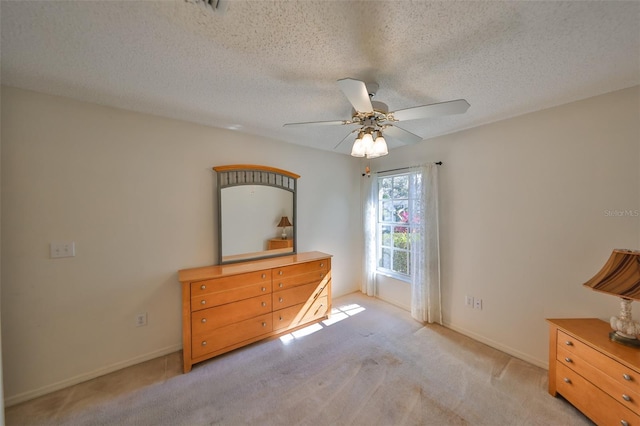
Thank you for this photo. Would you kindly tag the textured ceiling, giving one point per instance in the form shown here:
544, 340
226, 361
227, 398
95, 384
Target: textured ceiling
261, 64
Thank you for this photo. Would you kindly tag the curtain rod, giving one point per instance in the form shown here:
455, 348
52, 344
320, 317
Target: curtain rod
439, 163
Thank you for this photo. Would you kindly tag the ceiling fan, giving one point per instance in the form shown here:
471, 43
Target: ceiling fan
374, 118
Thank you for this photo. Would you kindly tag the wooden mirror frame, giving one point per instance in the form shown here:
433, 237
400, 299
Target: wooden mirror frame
251, 174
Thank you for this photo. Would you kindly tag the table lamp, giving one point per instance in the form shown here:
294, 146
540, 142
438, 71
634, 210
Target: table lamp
284, 222
620, 276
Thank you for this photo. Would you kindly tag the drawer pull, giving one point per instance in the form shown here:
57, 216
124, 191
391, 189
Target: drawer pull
626, 397
568, 343
624, 423
264, 276
264, 324
280, 318
281, 300
568, 359
567, 380
263, 289
264, 303
280, 273
203, 320
204, 343
626, 377
203, 302
321, 265
203, 287
280, 285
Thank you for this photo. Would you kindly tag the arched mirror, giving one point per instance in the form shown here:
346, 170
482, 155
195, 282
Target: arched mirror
256, 212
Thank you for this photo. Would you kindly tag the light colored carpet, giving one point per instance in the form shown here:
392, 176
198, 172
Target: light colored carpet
376, 366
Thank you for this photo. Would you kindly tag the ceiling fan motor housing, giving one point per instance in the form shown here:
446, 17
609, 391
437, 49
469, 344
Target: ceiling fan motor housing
372, 89
380, 111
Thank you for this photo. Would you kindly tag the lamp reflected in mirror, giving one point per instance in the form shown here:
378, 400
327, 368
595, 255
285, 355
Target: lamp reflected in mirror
284, 222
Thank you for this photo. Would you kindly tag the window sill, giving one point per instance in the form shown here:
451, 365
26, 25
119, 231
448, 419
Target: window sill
398, 277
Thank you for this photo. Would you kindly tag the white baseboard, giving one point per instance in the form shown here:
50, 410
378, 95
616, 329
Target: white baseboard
26, 396
521, 355
396, 303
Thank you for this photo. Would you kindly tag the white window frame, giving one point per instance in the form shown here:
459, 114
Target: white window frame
380, 224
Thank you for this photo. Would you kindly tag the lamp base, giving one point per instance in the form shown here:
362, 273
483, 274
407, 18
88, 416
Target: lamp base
618, 338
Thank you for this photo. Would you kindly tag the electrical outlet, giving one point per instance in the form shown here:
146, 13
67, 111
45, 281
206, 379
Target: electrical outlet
477, 304
468, 301
141, 319
62, 249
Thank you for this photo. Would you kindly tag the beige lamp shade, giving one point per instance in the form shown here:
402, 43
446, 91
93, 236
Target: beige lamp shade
284, 221
620, 276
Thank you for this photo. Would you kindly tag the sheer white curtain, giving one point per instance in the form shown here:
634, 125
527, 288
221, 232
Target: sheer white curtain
425, 247
370, 231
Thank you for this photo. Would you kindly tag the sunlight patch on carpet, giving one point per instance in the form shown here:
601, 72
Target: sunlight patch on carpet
337, 314
298, 334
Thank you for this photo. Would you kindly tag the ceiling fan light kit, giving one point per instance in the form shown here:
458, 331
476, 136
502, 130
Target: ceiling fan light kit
374, 117
365, 145
380, 145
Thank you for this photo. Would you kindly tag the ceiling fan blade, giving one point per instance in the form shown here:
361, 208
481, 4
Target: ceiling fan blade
318, 123
401, 135
433, 110
357, 93
345, 138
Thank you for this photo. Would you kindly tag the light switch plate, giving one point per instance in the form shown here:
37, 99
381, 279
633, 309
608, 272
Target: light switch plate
468, 300
62, 249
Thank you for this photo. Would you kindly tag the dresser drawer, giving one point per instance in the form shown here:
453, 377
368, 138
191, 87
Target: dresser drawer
289, 276
586, 369
295, 295
307, 278
288, 317
592, 401
231, 334
627, 378
318, 309
299, 314
209, 319
217, 285
228, 296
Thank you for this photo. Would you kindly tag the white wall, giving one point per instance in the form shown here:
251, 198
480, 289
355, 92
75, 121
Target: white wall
1, 379
136, 194
523, 221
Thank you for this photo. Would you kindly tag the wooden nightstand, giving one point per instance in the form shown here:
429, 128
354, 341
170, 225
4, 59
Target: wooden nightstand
279, 243
599, 377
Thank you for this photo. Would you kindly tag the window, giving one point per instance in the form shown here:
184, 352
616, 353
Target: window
395, 226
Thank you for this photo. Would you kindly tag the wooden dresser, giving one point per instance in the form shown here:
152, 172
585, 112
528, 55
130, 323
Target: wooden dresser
228, 306
279, 243
599, 377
